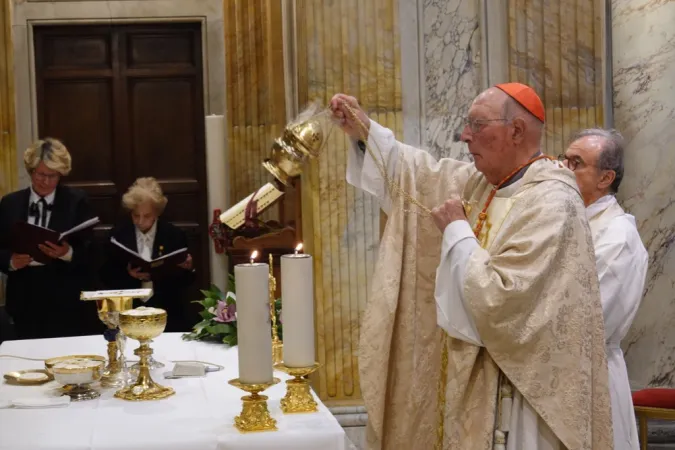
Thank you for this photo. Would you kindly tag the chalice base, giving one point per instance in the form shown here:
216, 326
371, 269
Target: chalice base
80, 392
144, 388
138, 392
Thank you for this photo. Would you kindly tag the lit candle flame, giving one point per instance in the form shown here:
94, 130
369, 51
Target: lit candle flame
254, 255
298, 248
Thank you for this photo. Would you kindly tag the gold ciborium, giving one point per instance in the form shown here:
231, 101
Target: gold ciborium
143, 324
301, 140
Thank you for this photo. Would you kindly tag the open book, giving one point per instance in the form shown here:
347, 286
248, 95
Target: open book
25, 238
157, 268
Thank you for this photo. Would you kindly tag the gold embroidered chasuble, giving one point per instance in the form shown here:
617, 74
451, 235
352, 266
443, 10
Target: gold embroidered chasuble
533, 294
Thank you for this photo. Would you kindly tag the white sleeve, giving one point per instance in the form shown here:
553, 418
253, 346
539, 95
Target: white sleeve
459, 243
621, 272
363, 171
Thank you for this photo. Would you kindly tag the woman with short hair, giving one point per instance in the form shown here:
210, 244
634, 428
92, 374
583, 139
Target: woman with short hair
44, 299
147, 234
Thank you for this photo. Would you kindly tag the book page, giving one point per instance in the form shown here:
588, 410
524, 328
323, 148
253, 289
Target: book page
82, 226
265, 197
168, 255
127, 249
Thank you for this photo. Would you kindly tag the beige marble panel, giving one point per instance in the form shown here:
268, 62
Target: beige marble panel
643, 38
452, 78
348, 46
557, 47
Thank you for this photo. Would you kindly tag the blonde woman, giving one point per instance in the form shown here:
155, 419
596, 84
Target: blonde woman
43, 299
146, 233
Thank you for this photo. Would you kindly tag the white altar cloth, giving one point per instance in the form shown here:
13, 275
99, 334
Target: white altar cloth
198, 417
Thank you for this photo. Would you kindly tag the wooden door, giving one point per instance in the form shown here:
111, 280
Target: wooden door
127, 101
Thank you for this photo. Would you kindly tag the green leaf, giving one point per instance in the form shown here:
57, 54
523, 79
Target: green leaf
206, 315
230, 339
221, 328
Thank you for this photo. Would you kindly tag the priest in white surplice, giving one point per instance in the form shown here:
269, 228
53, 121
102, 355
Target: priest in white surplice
517, 360
596, 158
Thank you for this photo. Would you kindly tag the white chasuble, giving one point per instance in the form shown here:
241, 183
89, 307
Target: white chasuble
622, 262
530, 298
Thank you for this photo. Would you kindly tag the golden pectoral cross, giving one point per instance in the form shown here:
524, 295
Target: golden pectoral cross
485, 233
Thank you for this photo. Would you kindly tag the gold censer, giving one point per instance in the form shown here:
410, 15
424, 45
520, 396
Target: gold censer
301, 140
143, 324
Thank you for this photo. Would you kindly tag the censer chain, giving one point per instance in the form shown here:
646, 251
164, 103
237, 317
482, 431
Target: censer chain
379, 162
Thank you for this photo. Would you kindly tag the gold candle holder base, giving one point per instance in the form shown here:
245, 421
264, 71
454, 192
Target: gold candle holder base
254, 416
144, 388
277, 351
298, 398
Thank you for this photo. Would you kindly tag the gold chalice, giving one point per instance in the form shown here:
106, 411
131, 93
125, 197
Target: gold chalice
301, 140
143, 324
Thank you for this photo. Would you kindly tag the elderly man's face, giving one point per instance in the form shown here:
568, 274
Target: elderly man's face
582, 158
487, 134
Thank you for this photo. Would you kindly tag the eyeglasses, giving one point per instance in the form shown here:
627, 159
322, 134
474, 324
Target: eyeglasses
573, 162
476, 125
46, 177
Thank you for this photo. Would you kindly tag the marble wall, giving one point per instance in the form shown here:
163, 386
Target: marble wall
643, 40
450, 57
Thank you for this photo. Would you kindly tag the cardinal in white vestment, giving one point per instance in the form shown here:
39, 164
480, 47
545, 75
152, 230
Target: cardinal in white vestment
596, 158
484, 328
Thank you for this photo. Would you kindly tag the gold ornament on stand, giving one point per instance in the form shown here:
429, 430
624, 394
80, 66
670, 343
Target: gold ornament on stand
298, 398
109, 304
143, 324
277, 344
254, 415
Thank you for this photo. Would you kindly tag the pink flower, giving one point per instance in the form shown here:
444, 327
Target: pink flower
225, 313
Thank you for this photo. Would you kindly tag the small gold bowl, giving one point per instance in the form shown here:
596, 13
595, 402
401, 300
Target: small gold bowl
77, 371
76, 374
51, 361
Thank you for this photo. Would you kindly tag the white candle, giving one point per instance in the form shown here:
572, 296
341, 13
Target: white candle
297, 309
254, 329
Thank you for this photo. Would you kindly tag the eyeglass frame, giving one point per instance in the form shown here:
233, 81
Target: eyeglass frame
51, 177
573, 164
473, 123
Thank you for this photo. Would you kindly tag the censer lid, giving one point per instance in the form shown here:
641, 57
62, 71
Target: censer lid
308, 137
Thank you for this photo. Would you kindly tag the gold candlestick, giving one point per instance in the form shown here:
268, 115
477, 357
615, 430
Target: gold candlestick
298, 398
277, 345
254, 414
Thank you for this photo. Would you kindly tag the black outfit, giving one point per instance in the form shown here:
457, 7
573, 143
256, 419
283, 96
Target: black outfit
169, 293
44, 301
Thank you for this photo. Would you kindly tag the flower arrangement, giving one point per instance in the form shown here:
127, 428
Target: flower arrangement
219, 316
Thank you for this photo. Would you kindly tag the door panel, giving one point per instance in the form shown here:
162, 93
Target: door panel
127, 100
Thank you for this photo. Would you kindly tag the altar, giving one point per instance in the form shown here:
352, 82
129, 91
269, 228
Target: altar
198, 417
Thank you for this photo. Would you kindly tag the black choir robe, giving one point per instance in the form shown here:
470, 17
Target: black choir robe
44, 301
168, 293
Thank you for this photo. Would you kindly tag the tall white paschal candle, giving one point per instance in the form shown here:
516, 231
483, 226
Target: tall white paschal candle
297, 309
254, 329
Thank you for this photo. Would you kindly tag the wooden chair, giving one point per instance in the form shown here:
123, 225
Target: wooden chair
656, 403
